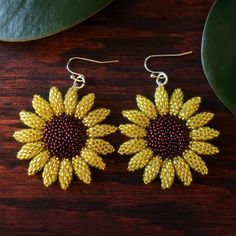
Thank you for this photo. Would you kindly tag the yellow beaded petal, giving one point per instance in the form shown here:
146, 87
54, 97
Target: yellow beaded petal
28, 135
101, 130
162, 100
189, 108
32, 120
195, 162
199, 120
50, 171
133, 131
56, 101
152, 169
136, 117
70, 101
96, 116
42, 108
65, 173
176, 102
29, 150
167, 174
100, 146
38, 162
84, 105
182, 170
203, 148
140, 160
132, 146
92, 158
146, 106
204, 133
81, 169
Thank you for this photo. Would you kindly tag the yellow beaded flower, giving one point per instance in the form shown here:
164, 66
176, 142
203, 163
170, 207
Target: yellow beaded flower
167, 138
64, 137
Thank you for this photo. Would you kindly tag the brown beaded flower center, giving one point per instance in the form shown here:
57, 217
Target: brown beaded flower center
168, 136
64, 136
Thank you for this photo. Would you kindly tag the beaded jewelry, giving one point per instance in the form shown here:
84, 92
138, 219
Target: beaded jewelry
167, 137
64, 136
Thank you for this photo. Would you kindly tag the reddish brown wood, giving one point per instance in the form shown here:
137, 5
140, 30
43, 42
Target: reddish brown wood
116, 203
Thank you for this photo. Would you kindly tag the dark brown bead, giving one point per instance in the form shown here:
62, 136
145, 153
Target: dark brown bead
64, 136
168, 136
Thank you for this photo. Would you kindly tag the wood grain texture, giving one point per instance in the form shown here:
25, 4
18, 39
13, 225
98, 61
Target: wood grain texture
116, 203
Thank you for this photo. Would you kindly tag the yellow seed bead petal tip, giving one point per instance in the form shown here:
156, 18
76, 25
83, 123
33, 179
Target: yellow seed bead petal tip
189, 108
50, 171
70, 101
42, 108
204, 133
65, 173
84, 105
81, 169
199, 120
176, 102
32, 120
133, 131
38, 162
136, 117
146, 106
140, 160
96, 116
132, 146
162, 100
152, 169
56, 101
195, 162
182, 170
92, 159
28, 135
167, 174
30, 150
100, 146
101, 130
203, 148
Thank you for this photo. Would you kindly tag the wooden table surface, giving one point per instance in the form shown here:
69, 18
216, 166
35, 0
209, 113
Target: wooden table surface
117, 202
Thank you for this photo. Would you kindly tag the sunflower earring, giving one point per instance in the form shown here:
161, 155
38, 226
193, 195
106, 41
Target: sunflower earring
167, 136
64, 136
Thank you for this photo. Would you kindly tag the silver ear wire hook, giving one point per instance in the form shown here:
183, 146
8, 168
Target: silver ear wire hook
79, 79
160, 76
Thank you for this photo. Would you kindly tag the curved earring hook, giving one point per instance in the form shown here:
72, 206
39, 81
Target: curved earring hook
85, 59
80, 78
160, 76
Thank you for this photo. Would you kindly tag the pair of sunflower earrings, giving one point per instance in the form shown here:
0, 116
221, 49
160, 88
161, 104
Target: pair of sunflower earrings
65, 136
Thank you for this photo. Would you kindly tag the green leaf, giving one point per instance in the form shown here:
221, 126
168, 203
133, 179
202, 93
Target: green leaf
219, 51
25, 20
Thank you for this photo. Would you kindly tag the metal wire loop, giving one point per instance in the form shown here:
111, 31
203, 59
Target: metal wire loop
79, 81
161, 78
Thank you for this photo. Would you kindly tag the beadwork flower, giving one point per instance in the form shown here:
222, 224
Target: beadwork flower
64, 137
167, 138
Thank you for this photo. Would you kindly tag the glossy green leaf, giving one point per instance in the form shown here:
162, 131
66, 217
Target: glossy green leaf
23, 20
219, 51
